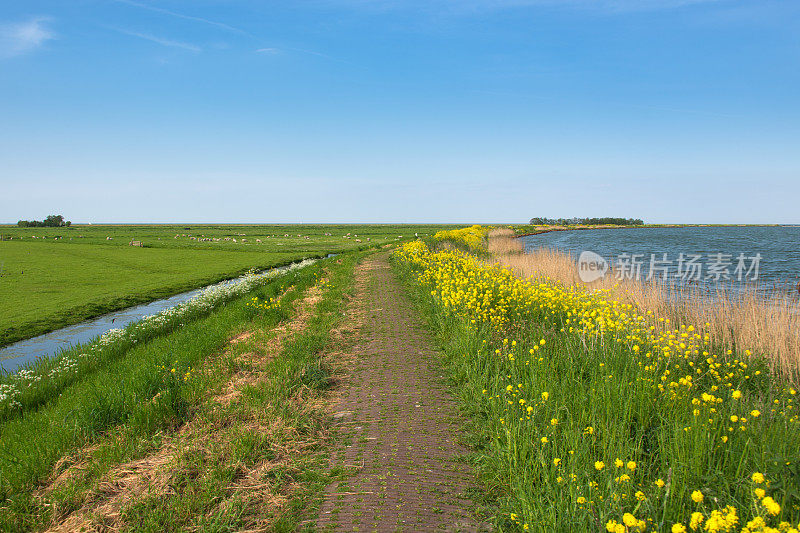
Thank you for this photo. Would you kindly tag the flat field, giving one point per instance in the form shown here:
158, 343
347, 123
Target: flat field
54, 277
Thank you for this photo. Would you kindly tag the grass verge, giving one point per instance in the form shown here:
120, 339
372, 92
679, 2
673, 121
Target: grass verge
162, 417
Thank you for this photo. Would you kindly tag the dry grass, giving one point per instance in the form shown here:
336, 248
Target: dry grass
767, 324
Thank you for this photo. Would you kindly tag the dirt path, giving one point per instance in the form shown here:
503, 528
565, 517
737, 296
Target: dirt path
397, 422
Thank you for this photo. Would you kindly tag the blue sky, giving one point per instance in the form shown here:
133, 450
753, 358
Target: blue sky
400, 111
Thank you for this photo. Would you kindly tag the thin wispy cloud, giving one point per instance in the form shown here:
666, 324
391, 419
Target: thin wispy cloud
494, 5
320, 54
653, 5
288, 49
614, 4
23, 37
201, 20
160, 40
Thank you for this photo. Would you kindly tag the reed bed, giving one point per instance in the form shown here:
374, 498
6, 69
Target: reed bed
763, 322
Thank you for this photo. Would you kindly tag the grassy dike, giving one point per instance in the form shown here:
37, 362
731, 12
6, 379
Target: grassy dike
585, 419
203, 423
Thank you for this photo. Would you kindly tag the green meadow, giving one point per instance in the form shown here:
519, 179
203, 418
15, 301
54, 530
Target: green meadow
54, 277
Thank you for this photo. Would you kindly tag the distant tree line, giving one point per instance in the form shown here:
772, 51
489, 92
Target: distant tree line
540, 221
53, 221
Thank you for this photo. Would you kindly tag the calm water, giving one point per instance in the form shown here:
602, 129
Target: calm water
777, 267
13, 356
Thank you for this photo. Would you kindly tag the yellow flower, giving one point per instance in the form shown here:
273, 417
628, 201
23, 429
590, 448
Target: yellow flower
759, 492
659, 483
581, 500
771, 505
629, 520
757, 477
556, 461
755, 413
618, 463
599, 465
697, 496
696, 520
545, 395
631, 466
678, 528
736, 394
554, 421
544, 440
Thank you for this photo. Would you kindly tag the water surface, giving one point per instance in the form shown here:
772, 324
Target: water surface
778, 246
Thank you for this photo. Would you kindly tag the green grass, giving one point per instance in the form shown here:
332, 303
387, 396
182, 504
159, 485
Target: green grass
296, 377
46, 284
133, 404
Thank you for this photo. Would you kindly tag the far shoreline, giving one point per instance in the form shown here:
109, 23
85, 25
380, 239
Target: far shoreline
549, 229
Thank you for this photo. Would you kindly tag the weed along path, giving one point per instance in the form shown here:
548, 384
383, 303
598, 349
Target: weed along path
397, 425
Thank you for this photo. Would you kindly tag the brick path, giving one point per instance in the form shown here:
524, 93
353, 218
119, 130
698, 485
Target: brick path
397, 424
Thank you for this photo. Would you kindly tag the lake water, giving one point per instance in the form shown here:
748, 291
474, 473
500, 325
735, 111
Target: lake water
736, 253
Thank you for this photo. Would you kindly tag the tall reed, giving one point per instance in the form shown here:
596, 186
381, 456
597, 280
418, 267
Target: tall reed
765, 323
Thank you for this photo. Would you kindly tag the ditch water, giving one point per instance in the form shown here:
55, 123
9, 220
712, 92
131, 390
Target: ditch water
777, 249
14, 356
